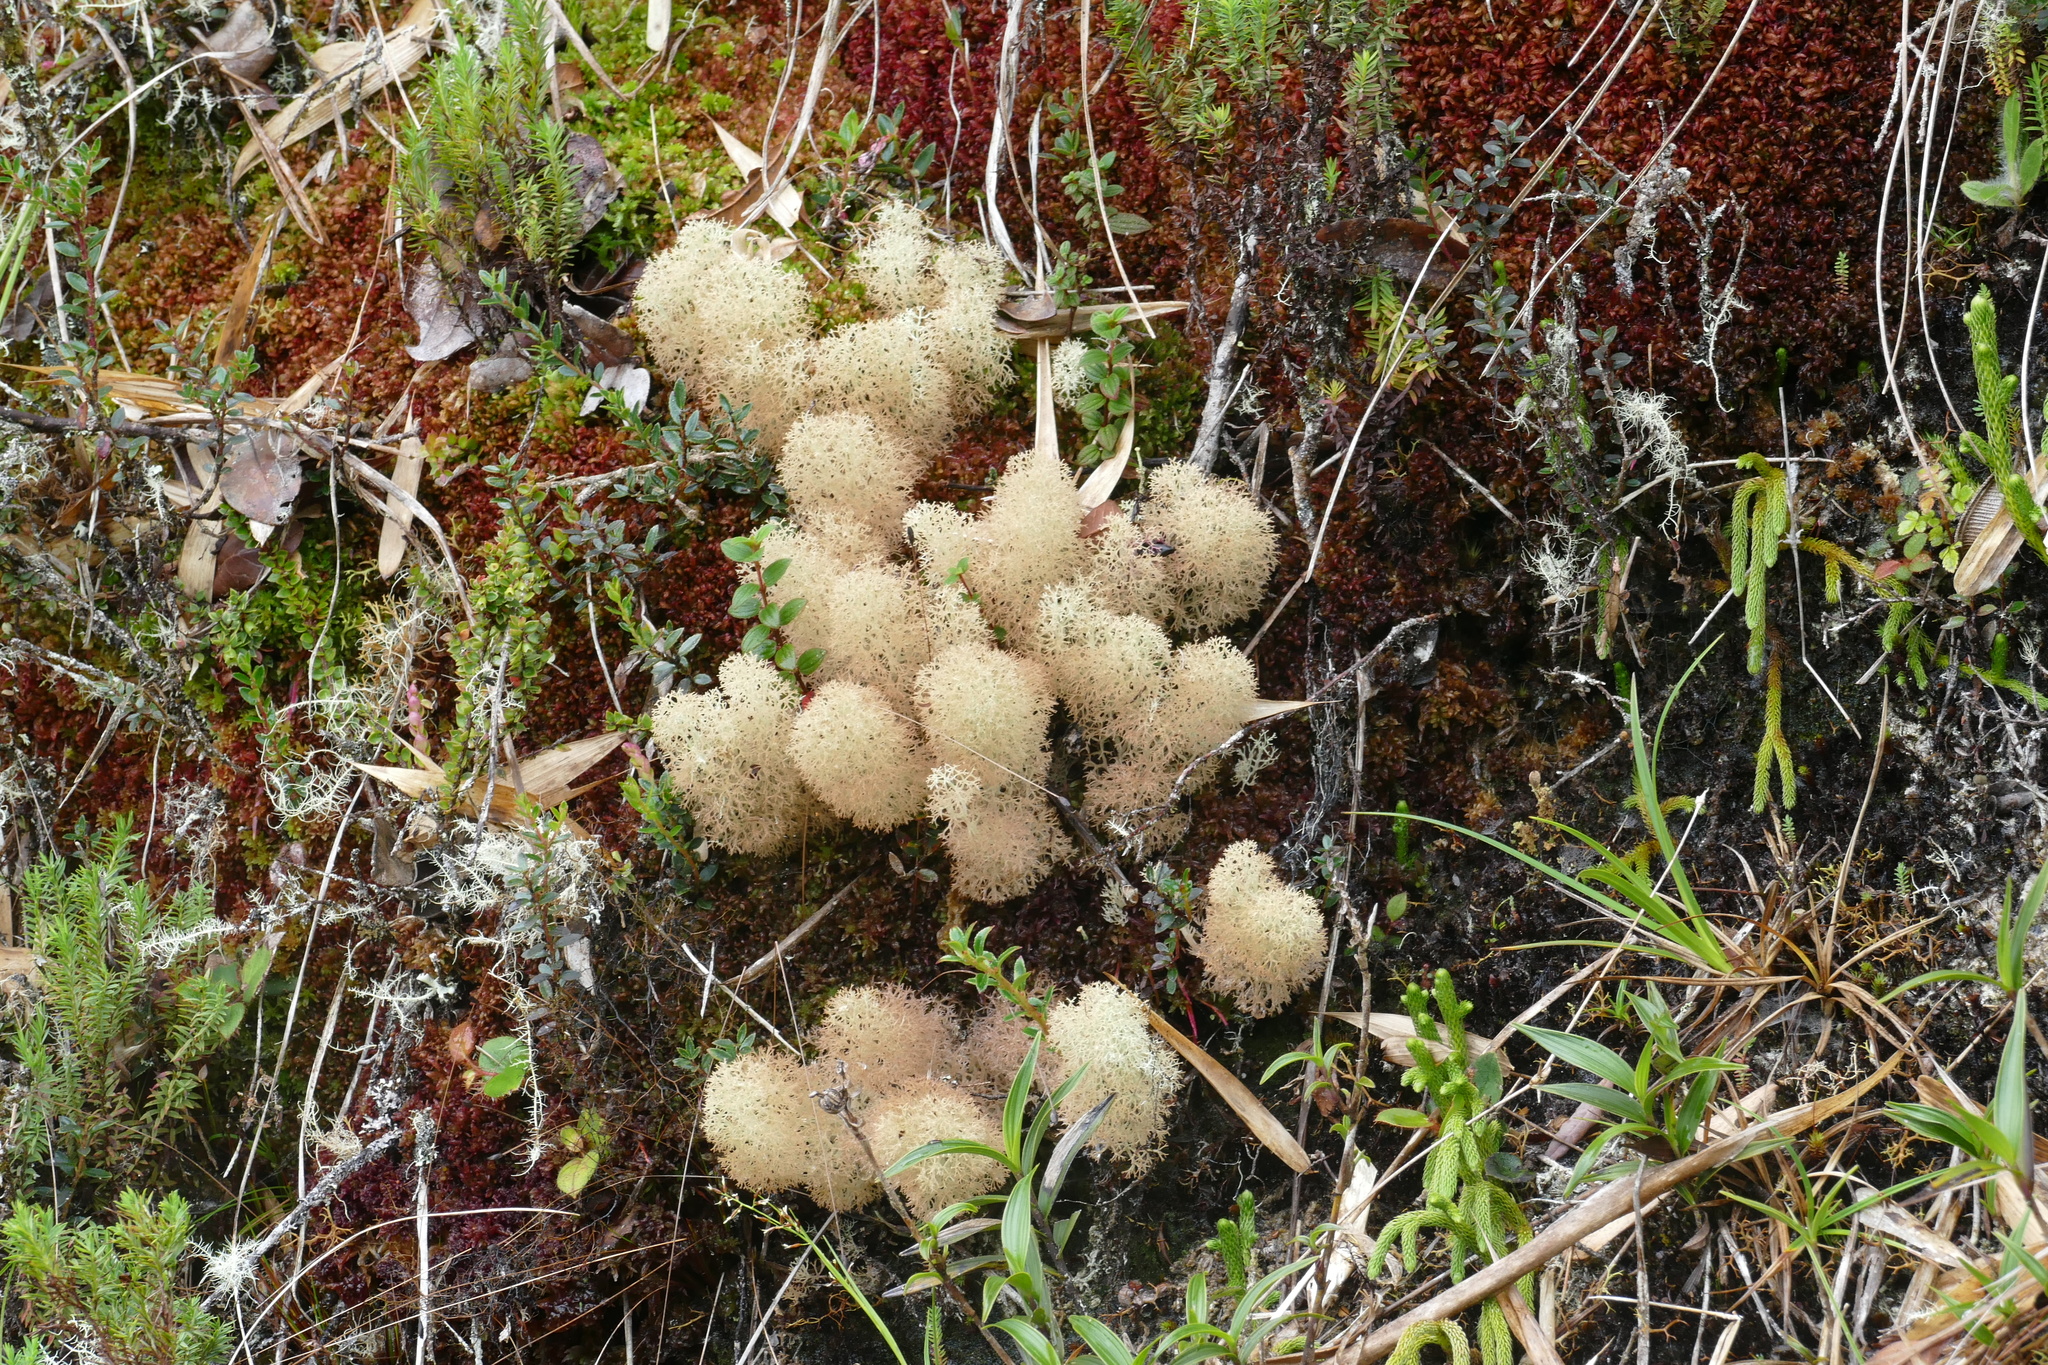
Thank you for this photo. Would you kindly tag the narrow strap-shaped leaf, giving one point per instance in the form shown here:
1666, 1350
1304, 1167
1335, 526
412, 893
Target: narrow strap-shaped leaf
1585, 1054
1069, 1146
1109, 1348
1013, 1107
1033, 1342
946, 1147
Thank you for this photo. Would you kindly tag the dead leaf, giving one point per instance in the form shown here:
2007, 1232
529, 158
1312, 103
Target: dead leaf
198, 561
353, 72
630, 382
235, 324
548, 774
1993, 550
1029, 306
597, 184
1266, 710
1394, 1030
242, 46
289, 185
263, 478
1890, 1219
749, 245
443, 328
18, 969
1097, 487
602, 343
391, 864
546, 777
497, 373
1400, 245
739, 153
1236, 1094
461, 1044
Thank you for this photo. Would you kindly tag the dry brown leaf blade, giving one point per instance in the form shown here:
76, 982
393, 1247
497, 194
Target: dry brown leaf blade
1266, 710
1993, 551
413, 782
549, 774
1247, 1106
281, 171
365, 75
412, 459
235, 324
1081, 321
18, 964
263, 477
199, 557
1097, 487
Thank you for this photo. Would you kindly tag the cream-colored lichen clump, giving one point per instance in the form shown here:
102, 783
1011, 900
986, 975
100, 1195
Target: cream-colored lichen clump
1262, 940
952, 637
1104, 1030
728, 755
886, 1067
729, 320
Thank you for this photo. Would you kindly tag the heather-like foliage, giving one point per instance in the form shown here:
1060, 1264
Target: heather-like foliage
112, 1058
110, 1292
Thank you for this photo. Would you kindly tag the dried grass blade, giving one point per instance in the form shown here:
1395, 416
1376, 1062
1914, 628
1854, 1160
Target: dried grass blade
403, 51
413, 782
235, 325
1081, 321
412, 458
1536, 1342
1236, 1094
549, 774
281, 171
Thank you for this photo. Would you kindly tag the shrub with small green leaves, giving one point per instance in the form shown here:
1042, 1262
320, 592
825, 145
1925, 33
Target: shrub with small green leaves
488, 171
109, 1292
112, 1052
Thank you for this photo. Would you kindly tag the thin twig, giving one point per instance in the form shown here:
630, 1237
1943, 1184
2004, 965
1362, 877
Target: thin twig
797, 935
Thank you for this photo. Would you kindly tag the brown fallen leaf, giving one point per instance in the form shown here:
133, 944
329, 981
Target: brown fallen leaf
1046, 438
547, 778
289, 185
199, 559
1996, 546
784, 204
18, 967
405, 472
1236, 1094
235, 324
1097, 487
1266, 710
262, 478
1394, 1030
1401, 245
242, 46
